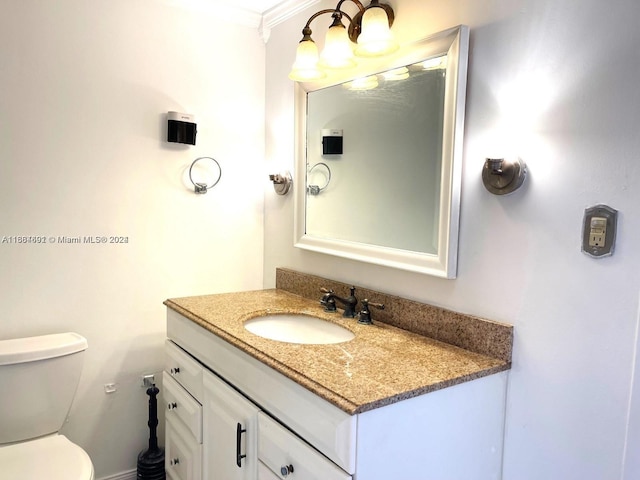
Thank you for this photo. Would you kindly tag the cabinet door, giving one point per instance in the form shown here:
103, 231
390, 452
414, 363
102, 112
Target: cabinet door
230, 429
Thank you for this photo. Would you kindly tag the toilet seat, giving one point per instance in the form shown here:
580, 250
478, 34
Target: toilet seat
54, 457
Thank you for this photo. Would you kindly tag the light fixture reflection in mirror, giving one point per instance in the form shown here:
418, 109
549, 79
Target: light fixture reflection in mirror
396, 74
370, 27
363, 83
395, 195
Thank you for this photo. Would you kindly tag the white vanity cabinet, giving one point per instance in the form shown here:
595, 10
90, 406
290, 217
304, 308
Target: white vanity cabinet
276, 429
182, 385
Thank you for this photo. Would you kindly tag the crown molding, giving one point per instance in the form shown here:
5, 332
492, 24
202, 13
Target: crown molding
280, 13
283, 11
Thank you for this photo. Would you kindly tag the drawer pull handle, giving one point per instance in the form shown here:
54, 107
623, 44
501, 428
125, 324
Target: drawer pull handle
175, 370
175, 461
285, 470
172, 405
239, 432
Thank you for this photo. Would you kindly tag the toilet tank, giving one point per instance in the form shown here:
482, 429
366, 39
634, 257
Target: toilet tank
38, 380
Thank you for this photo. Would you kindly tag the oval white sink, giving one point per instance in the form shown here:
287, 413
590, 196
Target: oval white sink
297, 328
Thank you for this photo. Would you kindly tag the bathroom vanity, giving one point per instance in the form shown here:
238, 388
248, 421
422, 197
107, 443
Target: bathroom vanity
387, 404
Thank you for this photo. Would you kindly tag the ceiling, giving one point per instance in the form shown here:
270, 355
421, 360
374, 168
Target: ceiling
259, 6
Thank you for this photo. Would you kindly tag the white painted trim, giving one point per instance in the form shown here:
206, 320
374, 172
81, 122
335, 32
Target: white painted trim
631, 456
285, 10
128, 475
453, 42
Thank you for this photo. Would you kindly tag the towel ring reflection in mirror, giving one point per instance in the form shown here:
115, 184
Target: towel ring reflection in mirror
203, 187
315, 189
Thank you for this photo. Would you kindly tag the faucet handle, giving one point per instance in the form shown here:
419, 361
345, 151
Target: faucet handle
327, 300
365, 314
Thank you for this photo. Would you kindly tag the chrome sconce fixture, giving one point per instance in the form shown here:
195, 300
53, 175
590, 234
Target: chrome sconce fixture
369, 30
281, 182
502, 177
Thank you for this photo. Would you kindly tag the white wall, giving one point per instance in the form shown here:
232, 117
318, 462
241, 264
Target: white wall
84, 90
559, 78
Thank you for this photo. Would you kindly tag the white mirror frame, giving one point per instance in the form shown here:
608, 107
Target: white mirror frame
455, 44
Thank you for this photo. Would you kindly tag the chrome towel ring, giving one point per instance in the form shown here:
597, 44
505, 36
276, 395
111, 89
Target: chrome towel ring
200, 187
315, 189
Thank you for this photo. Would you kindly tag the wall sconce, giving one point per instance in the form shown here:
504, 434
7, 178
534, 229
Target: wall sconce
502, 177
281, 182
369, 29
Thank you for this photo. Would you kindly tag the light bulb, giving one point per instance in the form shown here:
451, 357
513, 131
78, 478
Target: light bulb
376, 38
337, 52
305, 67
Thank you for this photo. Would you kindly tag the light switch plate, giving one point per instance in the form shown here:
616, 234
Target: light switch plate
599, 231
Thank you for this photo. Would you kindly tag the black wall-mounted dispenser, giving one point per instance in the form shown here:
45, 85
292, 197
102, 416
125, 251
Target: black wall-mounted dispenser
331, 141
181, 128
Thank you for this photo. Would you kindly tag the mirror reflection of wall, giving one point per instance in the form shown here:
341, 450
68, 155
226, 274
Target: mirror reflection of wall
385, 187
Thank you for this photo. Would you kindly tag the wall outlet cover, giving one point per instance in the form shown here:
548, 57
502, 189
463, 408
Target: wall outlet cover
599, 231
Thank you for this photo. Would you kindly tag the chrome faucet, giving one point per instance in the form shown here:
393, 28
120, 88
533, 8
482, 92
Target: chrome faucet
329, 301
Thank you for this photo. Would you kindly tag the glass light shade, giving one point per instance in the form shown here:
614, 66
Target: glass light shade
337, 52
376, 38
305, 67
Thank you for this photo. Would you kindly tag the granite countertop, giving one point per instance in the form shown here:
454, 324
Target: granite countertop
381, 365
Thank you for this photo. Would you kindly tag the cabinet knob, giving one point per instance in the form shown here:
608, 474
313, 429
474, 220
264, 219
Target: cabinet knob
175, 370
175, 461
285, 470
172, 405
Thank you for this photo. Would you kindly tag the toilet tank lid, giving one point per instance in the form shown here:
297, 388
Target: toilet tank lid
31, 349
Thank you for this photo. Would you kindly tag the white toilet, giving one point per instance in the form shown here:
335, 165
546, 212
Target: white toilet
38, 380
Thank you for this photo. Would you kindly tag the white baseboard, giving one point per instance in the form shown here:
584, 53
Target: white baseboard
128, 475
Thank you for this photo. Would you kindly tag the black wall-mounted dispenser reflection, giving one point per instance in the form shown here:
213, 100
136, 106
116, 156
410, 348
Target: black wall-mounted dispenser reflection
181, 128
331, 141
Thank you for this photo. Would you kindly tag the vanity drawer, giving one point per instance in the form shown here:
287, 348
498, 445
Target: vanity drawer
182, 407
284, 453
183, 368
265, 474
183, 459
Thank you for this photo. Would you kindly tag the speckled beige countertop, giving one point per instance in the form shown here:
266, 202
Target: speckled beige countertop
381, 365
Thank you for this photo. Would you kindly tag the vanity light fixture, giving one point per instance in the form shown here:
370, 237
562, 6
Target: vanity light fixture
369, 30
502, 177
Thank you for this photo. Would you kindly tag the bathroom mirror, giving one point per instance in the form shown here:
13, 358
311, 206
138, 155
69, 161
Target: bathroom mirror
378, 164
